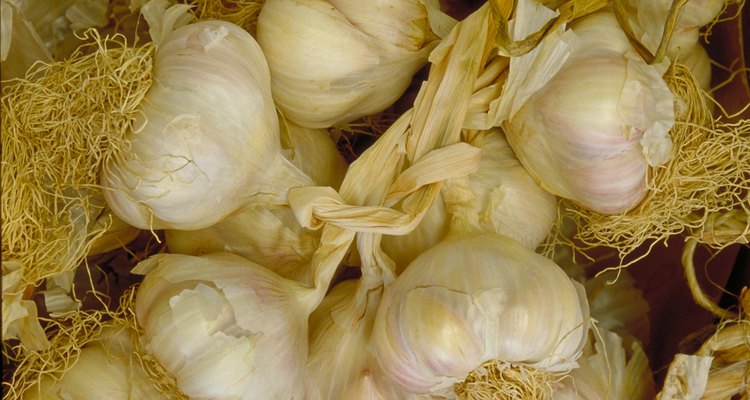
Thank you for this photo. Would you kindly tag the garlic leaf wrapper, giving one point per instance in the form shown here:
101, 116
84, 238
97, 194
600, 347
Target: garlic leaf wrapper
223, 326
334, 62
106, 368
470, 300
610, 369
507, 201
208, 142
591, 131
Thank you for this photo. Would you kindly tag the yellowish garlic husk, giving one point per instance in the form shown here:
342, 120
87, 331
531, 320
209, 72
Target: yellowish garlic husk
648, 19
470, 300
208, 141
272, 237
507, 201
610, 368
223, 326
592, 130
105, 368
332, 65
618, 305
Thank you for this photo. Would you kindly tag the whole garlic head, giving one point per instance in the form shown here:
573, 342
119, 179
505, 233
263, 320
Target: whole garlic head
591, 132
223, 326
333, 62
209, 135
470, 300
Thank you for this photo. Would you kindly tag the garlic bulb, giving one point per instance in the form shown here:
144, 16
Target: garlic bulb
332, 62
272, 237
223, 326
609, 370
474, 299
209, 137
338, 346
648, 19
314, 153
592, 129
106, 368
507, 201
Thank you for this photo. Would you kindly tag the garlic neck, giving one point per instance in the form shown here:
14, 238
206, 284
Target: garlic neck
273, 187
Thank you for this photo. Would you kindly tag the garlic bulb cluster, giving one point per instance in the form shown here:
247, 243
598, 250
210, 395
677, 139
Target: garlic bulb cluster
590, 132
332, 62
208, 131
507, 201
272, 237
106, 368
470, 300
223, 326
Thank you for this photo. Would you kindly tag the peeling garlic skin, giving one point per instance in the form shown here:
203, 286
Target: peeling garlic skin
208, 130
470, 300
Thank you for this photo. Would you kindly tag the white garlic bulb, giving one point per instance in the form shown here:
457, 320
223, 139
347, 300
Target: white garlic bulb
335, 61
507, 201
208, 142
223, 326
592, 130
106, 368
473, 299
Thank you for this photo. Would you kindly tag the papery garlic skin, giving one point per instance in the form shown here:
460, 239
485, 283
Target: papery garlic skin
610, 369
648, 19
507, 201
332, 65
106, 368
470, 300
208, 141
223, 326
593, 130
